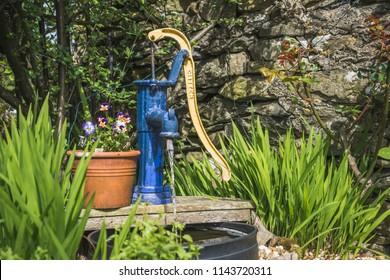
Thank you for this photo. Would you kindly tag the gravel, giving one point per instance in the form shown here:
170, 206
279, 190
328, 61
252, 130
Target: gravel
278, 252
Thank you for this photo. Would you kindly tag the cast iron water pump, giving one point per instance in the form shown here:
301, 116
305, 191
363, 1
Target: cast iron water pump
155, 123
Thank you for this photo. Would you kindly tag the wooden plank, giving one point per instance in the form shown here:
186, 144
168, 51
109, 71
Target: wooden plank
185, 218
112, 221
189, 209
184, 204
241, 215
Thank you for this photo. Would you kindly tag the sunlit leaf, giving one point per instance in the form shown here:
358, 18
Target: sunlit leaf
384, 153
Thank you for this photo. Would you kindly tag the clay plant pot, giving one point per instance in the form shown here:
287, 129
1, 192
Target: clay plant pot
110, 176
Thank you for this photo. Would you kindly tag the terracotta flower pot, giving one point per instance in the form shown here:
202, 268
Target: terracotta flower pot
110, 175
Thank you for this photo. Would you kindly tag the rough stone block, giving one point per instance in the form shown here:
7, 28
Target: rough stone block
255, 5
247, 88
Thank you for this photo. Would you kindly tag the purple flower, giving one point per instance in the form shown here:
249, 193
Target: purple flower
126, 118
89, 128
102, 121
104, 126
105, 106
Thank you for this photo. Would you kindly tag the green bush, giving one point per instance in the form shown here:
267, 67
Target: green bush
299, 192
146, 240
40, 206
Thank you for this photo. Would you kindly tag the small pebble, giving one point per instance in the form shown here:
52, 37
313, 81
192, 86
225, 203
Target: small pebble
280, 253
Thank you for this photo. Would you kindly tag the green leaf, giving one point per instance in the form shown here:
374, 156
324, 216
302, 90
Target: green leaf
308, 80
384, 153
292, 79
374, 77
128, 53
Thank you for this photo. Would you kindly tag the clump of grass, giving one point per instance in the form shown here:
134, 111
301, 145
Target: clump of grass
299, 191
40, 206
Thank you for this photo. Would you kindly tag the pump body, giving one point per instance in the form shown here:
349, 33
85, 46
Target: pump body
155, 124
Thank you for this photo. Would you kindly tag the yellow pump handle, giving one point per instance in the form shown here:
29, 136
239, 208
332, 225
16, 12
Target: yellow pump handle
189, 74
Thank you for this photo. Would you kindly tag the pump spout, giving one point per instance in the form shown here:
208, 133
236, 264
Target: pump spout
165, 121
170, 125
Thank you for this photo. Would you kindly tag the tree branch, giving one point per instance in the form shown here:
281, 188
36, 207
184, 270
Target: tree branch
2, 6
317, 116
10, 46
343, 140
31, 56
203, 32
9, 97
62, 42
383, 125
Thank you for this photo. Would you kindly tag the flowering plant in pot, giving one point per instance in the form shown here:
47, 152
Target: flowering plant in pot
112, 169
109, 134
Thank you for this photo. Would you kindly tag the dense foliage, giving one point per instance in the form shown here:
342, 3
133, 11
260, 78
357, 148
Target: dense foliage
40, 206
299, 192
78, 52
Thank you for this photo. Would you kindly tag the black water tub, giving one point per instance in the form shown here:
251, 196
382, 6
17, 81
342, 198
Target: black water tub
225, 240
219, 241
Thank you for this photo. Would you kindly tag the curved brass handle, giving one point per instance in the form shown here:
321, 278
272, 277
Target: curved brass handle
189, 74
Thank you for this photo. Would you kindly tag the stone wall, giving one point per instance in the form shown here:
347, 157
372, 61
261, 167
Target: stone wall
229, 56
247, 37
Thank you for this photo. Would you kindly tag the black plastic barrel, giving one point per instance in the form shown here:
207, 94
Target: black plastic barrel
93, 239
240, 243
219, 241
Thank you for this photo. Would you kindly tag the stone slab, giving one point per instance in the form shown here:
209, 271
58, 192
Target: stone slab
190, 210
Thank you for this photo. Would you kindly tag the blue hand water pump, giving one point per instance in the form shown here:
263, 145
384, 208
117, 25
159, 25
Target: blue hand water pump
155, 124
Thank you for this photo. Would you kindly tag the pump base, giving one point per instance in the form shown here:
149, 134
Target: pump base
153, 195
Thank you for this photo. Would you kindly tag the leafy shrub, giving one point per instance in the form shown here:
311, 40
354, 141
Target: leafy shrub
8, 254
152, 241
146, 240
40, 206
299, 192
